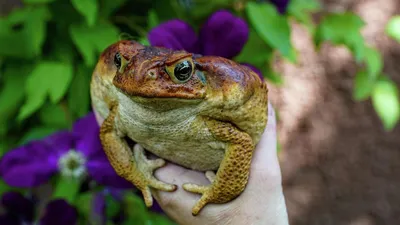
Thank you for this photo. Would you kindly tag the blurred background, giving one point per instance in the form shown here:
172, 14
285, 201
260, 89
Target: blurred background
332, 68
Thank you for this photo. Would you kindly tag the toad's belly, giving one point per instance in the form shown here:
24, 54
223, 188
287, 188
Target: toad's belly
188, 143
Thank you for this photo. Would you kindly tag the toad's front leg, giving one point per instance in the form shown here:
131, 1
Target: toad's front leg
233, 173
134, 167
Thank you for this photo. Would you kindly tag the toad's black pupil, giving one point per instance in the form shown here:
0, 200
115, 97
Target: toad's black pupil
117, 60
183, 70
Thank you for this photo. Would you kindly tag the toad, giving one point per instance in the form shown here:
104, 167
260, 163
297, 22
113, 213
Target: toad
204, 113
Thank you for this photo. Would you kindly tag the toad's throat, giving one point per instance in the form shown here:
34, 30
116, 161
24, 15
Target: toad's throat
164, 103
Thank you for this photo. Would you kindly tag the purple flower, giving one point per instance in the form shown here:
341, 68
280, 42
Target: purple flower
20, 210
223, 34
281, 5
77, 153
99, 207
59, 212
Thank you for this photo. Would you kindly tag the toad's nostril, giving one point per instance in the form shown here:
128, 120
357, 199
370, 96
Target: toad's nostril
152, 74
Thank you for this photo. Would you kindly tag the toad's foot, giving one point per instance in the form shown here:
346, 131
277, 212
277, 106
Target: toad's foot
147, 167
132, 166
233, 172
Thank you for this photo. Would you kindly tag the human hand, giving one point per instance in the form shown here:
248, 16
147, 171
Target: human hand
262, 201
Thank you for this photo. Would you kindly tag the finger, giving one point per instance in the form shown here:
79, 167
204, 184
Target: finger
178, 175
180, 202
265, 170
265, 153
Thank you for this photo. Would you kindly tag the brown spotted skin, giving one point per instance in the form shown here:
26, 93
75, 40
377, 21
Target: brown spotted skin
210, 122
233, 173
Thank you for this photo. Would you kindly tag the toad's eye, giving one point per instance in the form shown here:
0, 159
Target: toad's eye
120, 62
181, 71
117, 60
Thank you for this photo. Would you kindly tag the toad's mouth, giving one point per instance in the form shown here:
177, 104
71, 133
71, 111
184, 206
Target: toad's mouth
164, 103
159, 90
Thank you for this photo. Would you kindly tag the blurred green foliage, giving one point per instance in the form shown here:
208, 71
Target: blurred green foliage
393, 28
48, 50
345, 29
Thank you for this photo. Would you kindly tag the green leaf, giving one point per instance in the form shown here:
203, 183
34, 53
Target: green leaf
67, 188
62, 76
11, 95
342, 28
255, 51
36, 133
47, 79
135, 208
88, 42
3, 148
83, 203
54, 116
197, 9
3, 129
301, 10
303, 6
363, 86
113, 206
79, 93
27, 27
144, 41
274, 77
4, 187
278, 147
374, 62
152, 19
88, 8
107, 7
393, 28
37, 1
62, 50
385, 99
35, 99
272, 27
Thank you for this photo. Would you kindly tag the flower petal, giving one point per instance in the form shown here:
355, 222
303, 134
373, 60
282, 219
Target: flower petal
255, 69
116, 193
32, 164
174, 34
102, 172
86, 131
223, 34
18, 205
9, 219
59, 212
98, 214
280, 5
57, 144
156, 208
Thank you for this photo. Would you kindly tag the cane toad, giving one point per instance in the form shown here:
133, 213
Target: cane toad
205, 113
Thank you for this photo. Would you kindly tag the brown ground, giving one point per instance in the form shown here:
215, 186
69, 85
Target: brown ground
339, 166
